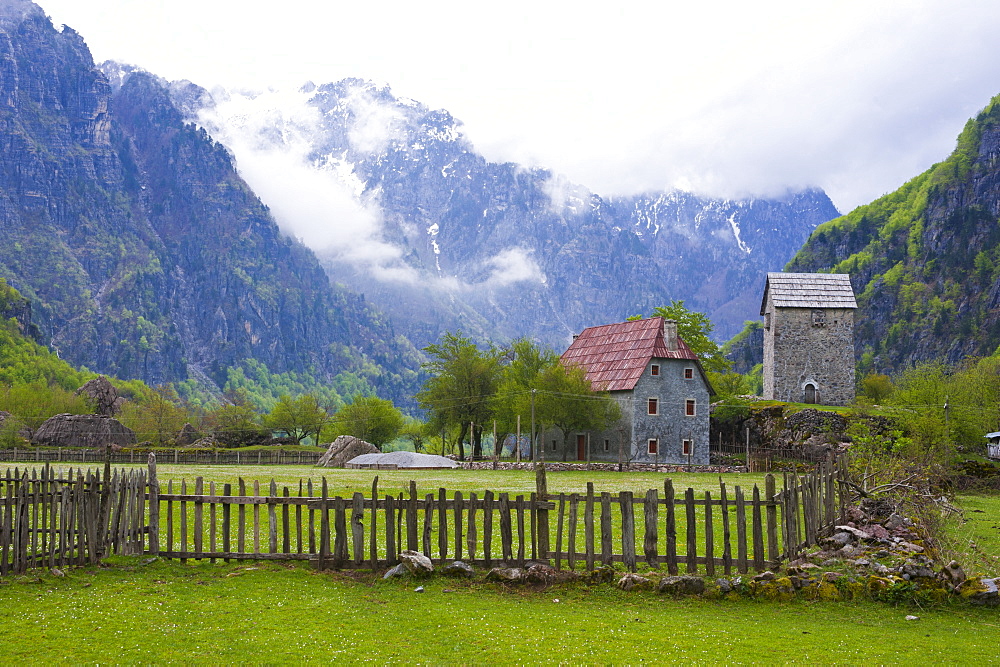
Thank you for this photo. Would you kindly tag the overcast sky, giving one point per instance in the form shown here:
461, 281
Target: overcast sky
723, 98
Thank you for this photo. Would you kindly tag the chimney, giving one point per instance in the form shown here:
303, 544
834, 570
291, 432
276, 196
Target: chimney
670, 334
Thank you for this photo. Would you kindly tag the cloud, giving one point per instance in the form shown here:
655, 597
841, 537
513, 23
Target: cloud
513, 265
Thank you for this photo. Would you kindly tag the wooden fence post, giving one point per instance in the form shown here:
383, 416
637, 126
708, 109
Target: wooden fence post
154, 507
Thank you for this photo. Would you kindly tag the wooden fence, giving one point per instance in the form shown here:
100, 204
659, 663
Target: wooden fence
76, 519
731, 529
173, 455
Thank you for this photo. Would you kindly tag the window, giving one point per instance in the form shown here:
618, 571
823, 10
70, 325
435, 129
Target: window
653, 406
554, 445
819, 318
686, 447
607, 444
767, 321
689, 407
654, 369
653, 445
688, 373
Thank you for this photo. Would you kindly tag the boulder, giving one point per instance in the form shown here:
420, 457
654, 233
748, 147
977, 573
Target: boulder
416, 563
685, 585
507, 575
92, 431
632, 580
187, 436
457, 568
397, 571
343, 449
104, 396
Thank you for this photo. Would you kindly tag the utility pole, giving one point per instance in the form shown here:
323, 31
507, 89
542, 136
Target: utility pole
532, 424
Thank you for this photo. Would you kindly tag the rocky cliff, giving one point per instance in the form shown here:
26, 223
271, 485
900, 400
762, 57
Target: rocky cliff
496, 249
141, 249
925, 259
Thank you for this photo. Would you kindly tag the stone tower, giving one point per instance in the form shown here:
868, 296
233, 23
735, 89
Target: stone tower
809, 338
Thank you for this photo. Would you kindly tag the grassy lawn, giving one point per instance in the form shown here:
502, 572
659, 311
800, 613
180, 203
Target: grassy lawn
270, 613
974, 539
345, 482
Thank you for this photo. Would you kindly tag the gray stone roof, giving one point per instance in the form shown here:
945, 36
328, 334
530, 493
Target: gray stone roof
809, 290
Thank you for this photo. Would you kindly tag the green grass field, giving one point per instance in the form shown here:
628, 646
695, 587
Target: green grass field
974, 538
270, 613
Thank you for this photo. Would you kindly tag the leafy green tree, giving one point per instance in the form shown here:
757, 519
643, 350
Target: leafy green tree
157, 419
694, 328
237, 422
417, 433
565, 400
877, 387
370, 418
297, 418
463, 380
526, 362
33, 402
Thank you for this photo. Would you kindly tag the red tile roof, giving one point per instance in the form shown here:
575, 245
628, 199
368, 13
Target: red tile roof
615, 355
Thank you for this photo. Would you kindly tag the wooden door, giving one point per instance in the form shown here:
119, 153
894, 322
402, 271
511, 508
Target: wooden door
581, 448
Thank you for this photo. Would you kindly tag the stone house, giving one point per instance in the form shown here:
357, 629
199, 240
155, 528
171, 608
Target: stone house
660, 387
809, 338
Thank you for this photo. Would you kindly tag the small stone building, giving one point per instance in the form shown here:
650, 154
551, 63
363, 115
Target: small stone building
660, 386
809, 338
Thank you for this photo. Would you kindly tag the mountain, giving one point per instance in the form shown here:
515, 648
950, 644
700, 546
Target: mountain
141, 250
443, 239
924, 260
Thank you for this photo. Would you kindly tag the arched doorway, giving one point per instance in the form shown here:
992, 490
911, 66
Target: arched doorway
810, 393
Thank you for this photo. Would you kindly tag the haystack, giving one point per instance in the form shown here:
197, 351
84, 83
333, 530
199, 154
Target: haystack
343, 449
93, 431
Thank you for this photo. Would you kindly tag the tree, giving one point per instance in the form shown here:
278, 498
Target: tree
694, 328
526, 362
237, 423
460, 390
565, 400
33, 402
418, 433
297, 418
158, 418
370, 418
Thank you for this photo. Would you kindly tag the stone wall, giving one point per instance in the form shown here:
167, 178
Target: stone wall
797, 353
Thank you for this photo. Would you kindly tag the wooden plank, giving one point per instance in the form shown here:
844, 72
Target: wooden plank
428, 524
298, 523
390, 529
758, 532
488, 528
533, 524
312, 519
520, 531
211, 521
709, 536
506, 530
199, 528
322, 560
411, 519
470, 530
442, 524
670, 528
226, 517
459, 524
286, 529
541, 528
559, 530
183, 518
339, 532
256, 519
373, 528
628, 530
588, 526
241, 519
772, 520
741, 533
692, 531
170, 518
272, 518
574, 501
357, 527
606, 533
651, 508
727, 550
